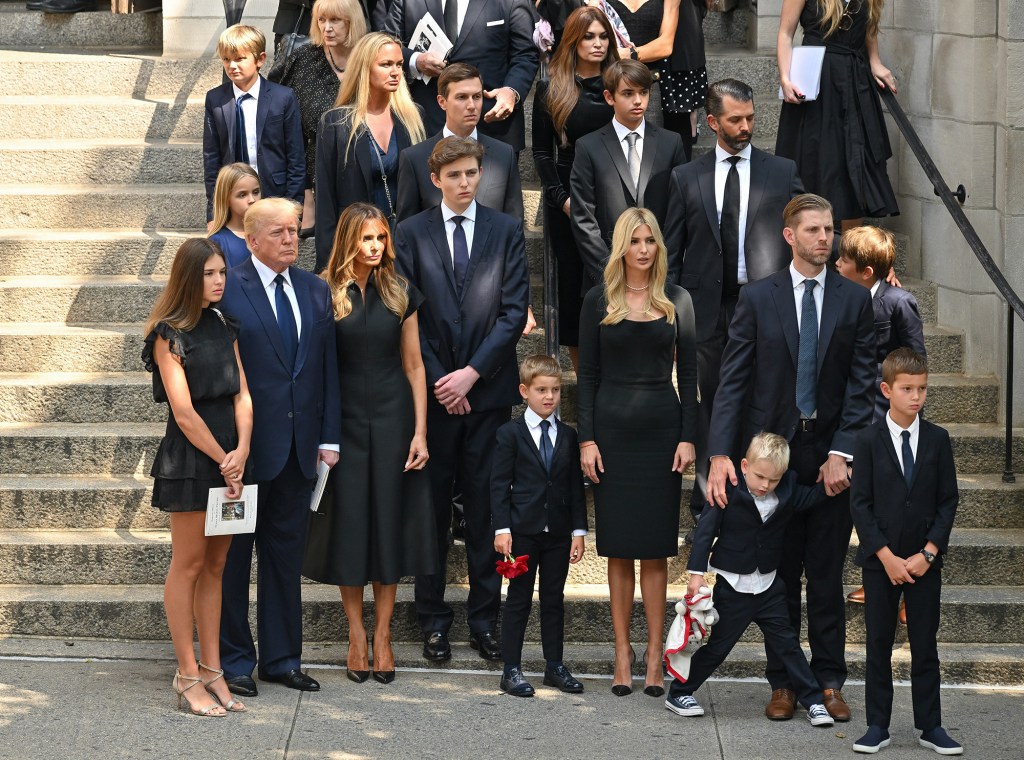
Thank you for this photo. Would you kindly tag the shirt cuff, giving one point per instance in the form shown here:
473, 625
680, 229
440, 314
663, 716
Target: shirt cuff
502, 531
331, 447
578, 532
845, 456
414, 72
696, 572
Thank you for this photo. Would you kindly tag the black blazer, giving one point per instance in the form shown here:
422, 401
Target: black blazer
599, 195
524, 496
500, 187
496, 37
280, 151
888, 513
758, 377
342, 181
482, 328
897, 325
745, 542
693, 234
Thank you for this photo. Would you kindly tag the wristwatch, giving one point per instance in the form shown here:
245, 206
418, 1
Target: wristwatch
633, 54
929, 557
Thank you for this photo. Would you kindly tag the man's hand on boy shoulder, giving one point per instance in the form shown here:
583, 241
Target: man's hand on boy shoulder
576, 550
836, 473
503, 544
721, 470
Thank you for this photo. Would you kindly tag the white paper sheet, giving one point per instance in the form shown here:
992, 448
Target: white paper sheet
805, 70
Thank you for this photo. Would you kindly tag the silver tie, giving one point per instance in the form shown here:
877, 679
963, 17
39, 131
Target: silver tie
634, 159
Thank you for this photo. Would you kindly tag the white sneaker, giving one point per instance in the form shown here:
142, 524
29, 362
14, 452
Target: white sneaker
818, 716
686, 706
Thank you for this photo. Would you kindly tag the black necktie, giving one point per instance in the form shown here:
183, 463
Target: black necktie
241, 139
286, 321
908, 458
730, 229
460, 251
451, 20
807, 354
545, 444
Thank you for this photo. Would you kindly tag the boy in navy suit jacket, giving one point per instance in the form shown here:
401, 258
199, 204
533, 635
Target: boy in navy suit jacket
746, 554
537, 501
903, 499
252, 121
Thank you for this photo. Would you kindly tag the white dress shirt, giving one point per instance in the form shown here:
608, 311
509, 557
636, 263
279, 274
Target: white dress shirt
897, 436
798, 293
533, 421
460, 16
267, 276
468, 225
755, 582
722, 167
621, 131
249, 106
874, 288
445, 132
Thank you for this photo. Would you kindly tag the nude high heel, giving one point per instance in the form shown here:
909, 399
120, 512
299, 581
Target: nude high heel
206, 712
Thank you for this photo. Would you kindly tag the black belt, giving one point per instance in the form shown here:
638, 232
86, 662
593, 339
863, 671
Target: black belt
806, 426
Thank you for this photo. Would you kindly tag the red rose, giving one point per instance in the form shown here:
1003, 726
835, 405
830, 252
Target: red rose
512, 568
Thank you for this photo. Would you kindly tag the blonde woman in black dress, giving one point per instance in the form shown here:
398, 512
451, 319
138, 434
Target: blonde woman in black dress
636, 434
191, 350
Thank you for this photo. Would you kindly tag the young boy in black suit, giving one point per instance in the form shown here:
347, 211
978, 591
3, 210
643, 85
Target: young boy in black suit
538, 509
745, 556
903, 498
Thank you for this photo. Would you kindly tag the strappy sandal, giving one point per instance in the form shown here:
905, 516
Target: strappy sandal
233, 704
206, 712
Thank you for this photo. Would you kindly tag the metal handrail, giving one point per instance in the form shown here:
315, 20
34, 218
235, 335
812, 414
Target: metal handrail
952, 201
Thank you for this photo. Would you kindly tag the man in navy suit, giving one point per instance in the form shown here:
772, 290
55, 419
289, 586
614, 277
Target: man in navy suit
253, 121
469, 262
496, 36
800, 362
287, 346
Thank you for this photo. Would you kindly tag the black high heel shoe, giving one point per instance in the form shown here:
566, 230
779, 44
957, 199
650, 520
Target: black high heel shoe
652, 690
385, 676
359, 676
622, 690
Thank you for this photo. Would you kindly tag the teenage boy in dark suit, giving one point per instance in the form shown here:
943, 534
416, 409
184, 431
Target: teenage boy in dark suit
903, 499
745, 556
538, 509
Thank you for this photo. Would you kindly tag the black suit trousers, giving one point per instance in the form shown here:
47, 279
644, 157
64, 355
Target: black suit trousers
881, 608
815, 547
769, 611
549, 553
280, 541
463, 445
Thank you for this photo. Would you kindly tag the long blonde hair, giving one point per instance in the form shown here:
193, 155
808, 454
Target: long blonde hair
227, 178
340, 271
181, 303
354, 95
564, 90
832, 13
615, 270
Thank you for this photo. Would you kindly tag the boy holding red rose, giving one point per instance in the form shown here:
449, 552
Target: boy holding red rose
539, 511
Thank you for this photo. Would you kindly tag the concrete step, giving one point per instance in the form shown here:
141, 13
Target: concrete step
945, 349
114, 448
980, 448
58, 347
103, 161
79, 30
78, 397
970, 615
101, 206
78, 300
85, 117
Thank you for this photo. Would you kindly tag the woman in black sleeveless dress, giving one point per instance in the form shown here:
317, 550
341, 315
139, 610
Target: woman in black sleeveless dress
636, 434
190, 349
376, 523
839, 141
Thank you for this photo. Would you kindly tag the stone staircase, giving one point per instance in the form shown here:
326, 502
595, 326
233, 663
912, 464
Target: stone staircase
99, 189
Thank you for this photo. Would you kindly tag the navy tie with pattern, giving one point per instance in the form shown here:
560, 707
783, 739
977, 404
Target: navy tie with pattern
545, 444
286, 321
241, 139
908, 458
807, 355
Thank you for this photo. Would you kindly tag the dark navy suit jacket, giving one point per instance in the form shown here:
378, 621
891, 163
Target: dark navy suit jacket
480, 329
300, 405
280, 152
897, 325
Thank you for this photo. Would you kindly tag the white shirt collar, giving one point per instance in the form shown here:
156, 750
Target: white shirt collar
798, 278
445, 132
533, 419
267, 274
254, 90
874, 288
721, 154
469, 213
621, 130
896, 431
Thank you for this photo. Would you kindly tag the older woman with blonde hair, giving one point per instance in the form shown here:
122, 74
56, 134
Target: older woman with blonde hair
359, 141
636, 433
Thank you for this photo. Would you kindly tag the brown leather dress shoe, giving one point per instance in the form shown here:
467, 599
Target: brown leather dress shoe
856, 597
903, 612
781, 706
836, 705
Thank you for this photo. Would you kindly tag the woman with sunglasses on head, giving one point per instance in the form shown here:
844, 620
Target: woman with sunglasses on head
839, 140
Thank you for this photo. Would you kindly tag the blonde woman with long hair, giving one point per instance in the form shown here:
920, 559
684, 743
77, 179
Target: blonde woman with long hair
377, 524
359, 140
636, 433
839, 141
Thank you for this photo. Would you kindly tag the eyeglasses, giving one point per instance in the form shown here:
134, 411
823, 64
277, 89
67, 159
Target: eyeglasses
852, 8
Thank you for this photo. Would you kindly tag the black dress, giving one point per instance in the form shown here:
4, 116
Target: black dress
839, 141
375, 522
554, 165
183, 474
626, 403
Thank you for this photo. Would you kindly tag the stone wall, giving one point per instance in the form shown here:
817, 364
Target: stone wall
191, 27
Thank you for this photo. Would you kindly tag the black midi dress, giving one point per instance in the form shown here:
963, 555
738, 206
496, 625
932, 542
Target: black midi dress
375, 523
839, 141
628, 406
183, 475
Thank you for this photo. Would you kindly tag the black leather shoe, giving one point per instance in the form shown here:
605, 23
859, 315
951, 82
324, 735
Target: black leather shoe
293, 679
562, 680
243, 686
67, 6
515, 683
486, 644
436, 647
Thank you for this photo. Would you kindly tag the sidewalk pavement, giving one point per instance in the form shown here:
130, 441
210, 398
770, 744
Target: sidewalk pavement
125, 708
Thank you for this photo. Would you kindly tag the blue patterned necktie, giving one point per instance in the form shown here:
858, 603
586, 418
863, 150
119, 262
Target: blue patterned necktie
545, 444
807, 355
242, 140
460, 253
286, 321
908, 458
